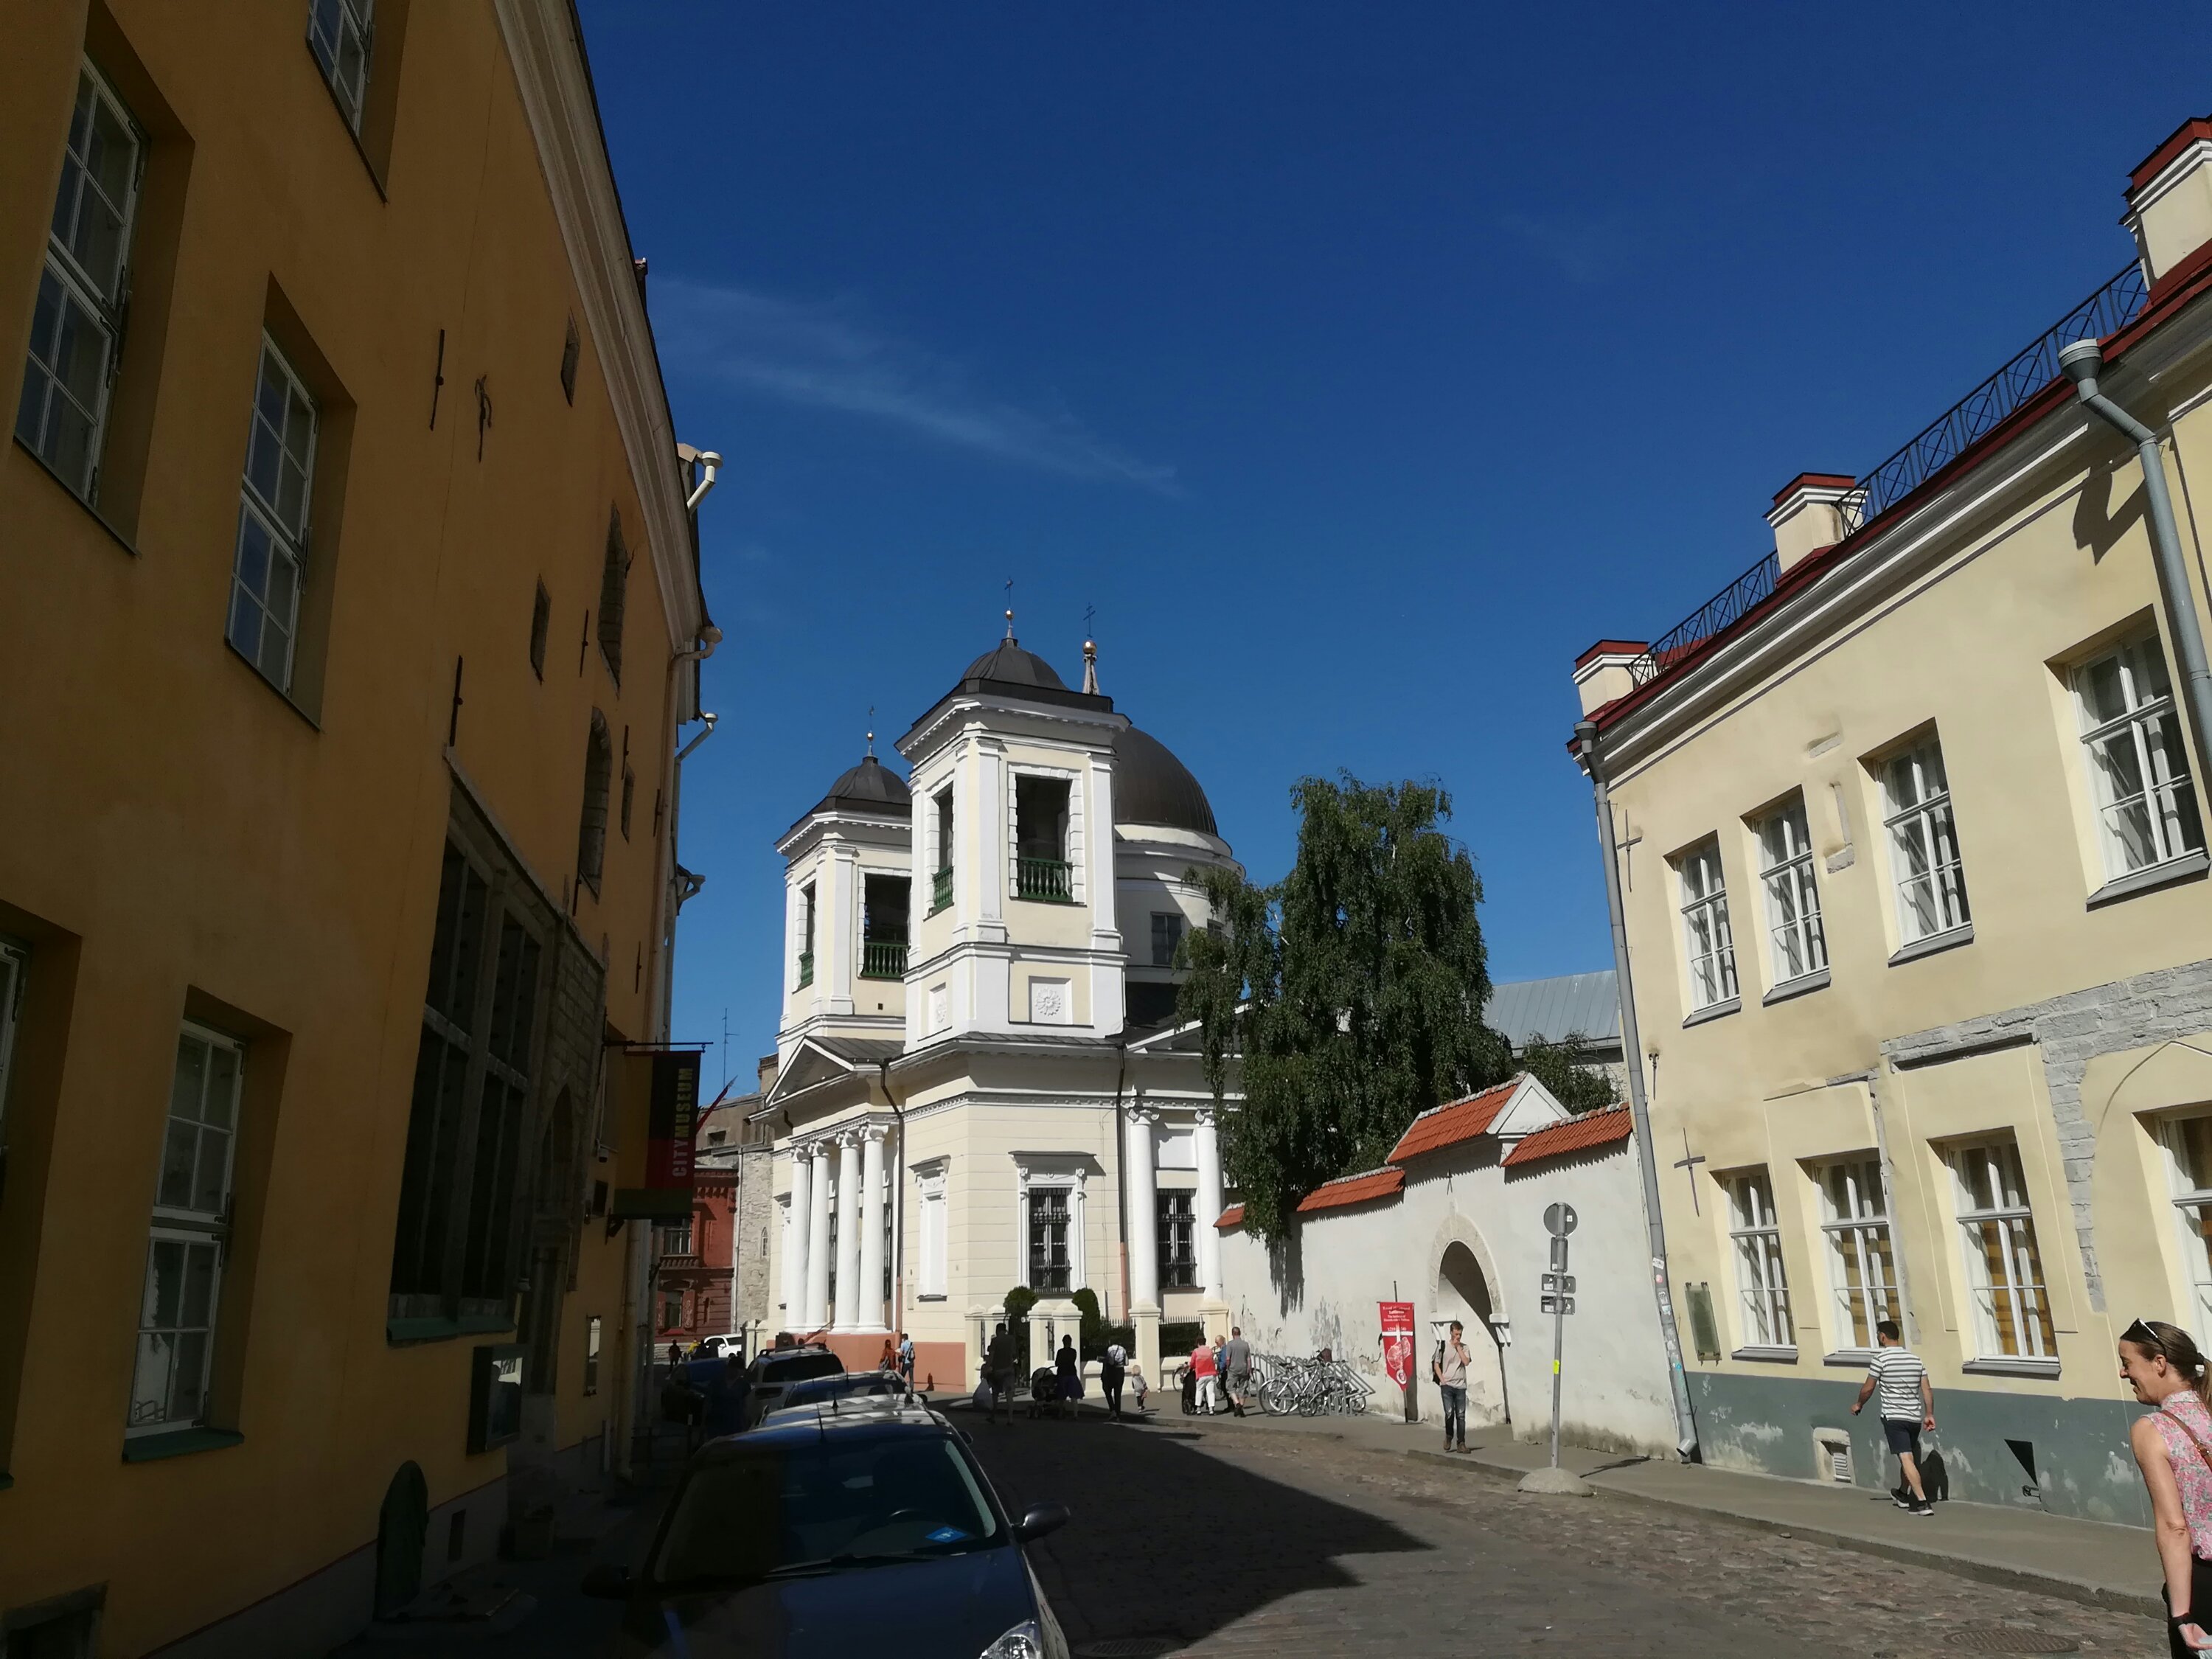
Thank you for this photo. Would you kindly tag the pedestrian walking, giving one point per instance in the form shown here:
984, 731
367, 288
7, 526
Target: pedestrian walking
1111, 1370
1203, 1370
2174, 1448
1449, 1369
906, 1359
1237, 1368
1137, 1385
888, 1359
1907, 1405
999, 1366
1068, 1366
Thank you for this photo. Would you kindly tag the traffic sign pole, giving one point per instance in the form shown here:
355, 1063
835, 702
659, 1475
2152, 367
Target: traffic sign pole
1558, 1221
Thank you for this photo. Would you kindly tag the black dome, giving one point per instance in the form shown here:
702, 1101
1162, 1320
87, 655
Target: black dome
1009, 665
869, 787
1151, 786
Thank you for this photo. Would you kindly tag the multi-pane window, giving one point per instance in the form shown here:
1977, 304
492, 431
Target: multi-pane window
941, 892
1861, 1271
452, 1255
1167, 935
2188, 1142
2138, 765
807, 935
614, 590
1705, 933
1924, 844
76, 325
676, 1237
272, 519
191, 1227
1178, 1241
1794, 940
1762, 1287
592, 823
1048, 1229
339, 32
2004, 1268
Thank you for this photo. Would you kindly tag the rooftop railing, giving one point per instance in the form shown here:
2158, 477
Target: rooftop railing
1973, 418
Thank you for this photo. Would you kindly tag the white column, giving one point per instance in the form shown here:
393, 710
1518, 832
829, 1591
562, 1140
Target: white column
1209, 1208
1143, 1221
1098, 857
985, 833
848, 1233
838, 929
869, 1300
1079, 1274
796, 1216
814, 1312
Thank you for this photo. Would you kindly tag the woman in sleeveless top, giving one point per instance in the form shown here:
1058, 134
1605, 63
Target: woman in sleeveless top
2173, 1446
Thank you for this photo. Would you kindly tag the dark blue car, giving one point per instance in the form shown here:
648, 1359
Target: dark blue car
861, 1522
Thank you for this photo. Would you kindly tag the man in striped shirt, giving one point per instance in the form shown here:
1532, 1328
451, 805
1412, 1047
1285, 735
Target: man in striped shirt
1908, 1405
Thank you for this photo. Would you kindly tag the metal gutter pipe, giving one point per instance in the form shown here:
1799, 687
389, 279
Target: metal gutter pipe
1686, 1424
2082, 360
710, 466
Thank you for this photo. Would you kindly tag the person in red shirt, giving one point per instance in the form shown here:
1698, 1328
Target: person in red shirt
1202, 1368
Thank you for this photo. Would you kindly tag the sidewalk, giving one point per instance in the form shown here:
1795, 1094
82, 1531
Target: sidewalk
2086, 1561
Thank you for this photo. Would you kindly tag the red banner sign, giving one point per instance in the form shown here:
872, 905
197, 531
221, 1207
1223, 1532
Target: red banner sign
1398, 1340
671, 1117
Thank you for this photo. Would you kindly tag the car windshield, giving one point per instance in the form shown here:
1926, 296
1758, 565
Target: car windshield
819, 1503
844, 1388
800, 1366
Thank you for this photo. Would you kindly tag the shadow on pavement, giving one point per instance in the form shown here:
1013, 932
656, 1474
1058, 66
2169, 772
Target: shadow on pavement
1166, 1540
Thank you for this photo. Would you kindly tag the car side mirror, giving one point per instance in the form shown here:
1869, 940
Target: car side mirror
607, 1582
1043, 1518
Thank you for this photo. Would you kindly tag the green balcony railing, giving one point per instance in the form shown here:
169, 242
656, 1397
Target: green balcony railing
882, 958
940, 891
1049, 879
806, 968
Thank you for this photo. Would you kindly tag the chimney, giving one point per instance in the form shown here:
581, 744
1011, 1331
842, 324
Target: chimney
1809, 513
1603, 673
2170, 200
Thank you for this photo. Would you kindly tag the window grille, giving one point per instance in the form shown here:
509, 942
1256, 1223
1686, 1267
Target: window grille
341, 33
1797, 944
2138, 765
1167, 935
76, 324
1705, 933
570, 349
541, 621
592, 828
2004, 1268
191, 1234
2188, 1142
629, 797
272, 559
614, 588
1762, 1286
1049, 1259
1178, 1241
1924, 844
1861, 1271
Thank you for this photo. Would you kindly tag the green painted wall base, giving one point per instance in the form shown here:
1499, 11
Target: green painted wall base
1979, 1452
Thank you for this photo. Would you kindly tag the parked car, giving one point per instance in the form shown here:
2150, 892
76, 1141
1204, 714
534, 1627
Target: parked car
823, 1531
775, 1370
722, 1347
820, 1391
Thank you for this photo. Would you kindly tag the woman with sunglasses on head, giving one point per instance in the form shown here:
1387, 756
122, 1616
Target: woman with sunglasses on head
2173, 1448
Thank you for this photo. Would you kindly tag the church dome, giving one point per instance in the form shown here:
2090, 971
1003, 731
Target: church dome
1007, 664
1151, 786
871, 786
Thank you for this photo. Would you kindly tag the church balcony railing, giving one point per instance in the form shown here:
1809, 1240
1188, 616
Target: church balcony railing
940, 891
882, 958
1048, 879
805, 968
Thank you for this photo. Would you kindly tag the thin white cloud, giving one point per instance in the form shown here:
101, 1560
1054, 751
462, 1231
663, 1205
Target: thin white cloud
827, 355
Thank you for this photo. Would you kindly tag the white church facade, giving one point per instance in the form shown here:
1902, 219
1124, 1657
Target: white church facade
979, 1081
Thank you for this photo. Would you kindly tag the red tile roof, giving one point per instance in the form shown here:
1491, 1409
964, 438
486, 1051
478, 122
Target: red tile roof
1575, 1135
1231, 1216
1447, 1126
1353, 1189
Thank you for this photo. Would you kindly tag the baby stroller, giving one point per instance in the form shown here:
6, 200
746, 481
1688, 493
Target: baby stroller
1044, 1390
1189, 1392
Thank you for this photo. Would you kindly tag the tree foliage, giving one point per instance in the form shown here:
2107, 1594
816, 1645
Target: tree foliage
1351, 992
1577, 1087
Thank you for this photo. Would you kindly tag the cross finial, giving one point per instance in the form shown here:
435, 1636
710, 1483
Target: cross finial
1010, 610
871, 730
1090, 611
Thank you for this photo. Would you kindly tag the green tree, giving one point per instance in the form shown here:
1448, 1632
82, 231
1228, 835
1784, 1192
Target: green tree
1577, 1087
1350, 992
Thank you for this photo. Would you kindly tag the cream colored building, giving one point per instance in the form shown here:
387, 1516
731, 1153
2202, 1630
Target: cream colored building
1910, 842
979, 1080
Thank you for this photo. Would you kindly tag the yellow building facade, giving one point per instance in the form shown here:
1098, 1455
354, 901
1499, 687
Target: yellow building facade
349, 610
1909, 841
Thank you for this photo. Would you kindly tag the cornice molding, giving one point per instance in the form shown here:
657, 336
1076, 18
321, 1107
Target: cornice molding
555, 90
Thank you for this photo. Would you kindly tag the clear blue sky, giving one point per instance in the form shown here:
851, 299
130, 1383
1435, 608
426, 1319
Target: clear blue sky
1361, 365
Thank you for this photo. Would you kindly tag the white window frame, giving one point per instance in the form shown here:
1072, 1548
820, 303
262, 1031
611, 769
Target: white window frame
76, 287
193, 1229
2192, 1214
2022, 1296
1797, 941
1860, 1248
1165, 1223
2174, 829
1762, 1282
341, 15
1707, 942
930, 1204
1926, 815
287, 540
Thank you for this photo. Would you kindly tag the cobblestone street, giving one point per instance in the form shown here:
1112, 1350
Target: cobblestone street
1260, 1538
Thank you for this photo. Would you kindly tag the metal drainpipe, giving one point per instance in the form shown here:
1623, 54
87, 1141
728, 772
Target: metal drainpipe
1686, 1424
2082, 360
